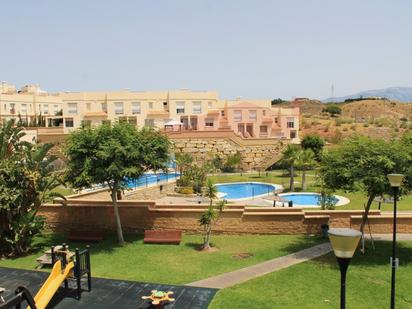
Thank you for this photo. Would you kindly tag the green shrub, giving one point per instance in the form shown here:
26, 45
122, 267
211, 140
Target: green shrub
333, 110
186, 190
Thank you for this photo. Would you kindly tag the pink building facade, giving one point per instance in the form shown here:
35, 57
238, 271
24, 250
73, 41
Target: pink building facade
248, 120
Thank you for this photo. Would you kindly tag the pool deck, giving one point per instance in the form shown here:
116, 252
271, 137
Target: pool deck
106, 293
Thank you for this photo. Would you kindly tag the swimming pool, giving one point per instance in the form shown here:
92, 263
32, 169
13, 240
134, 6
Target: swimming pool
245, 190
151, 178
309, 199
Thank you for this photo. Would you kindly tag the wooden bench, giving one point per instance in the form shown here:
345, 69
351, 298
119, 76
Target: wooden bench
162, 237
94, 236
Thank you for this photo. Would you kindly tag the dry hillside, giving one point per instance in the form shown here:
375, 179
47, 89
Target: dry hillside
376, 109
374, 118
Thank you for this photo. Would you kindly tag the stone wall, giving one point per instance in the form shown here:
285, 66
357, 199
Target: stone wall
137, 216
254, 155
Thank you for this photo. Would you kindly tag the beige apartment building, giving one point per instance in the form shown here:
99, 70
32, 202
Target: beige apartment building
169, 110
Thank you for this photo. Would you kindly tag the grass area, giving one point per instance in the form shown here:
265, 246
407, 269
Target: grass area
173, 264
357, 199
316, 284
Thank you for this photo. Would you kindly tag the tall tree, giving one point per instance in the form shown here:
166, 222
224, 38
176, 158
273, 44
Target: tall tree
313, 142
290, 157
362, 163
306, 160
27, 180
112, 154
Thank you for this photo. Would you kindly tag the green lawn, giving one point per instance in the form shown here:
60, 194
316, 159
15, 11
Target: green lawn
316, 284
174, 264
357, 199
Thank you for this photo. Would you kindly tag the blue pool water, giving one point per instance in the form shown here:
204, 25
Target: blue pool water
149, 179
244, 189
305, 199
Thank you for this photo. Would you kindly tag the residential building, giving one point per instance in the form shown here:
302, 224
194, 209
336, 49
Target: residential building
170, 110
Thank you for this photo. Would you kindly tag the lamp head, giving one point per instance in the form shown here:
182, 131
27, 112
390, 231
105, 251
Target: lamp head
344, 241
395, 179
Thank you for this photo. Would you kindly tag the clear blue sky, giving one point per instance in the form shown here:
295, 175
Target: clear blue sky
253, 49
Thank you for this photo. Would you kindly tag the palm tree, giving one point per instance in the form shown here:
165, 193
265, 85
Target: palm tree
211, 214
306, 160
211, 191
290, 157
183, 161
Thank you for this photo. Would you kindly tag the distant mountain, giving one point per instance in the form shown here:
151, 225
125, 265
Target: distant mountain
402, 94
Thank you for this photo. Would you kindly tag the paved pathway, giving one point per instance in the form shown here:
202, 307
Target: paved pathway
388, 237
238, 276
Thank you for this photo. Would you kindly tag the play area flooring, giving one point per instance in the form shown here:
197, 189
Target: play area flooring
106, 293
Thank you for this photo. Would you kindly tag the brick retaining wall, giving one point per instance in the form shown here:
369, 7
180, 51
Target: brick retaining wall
137, 216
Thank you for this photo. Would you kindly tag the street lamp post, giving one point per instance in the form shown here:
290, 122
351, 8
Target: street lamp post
344, 243
395, 181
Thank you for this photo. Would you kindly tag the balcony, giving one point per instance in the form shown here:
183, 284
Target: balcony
158, 113
95, 115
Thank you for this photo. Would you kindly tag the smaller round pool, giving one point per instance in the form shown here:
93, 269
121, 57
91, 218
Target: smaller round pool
309, 199
245, 190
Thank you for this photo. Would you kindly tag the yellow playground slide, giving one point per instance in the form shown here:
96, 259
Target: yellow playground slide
52, 284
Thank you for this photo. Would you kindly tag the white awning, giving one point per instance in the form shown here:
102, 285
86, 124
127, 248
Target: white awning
173, 123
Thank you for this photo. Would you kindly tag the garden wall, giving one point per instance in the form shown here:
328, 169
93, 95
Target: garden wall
137, 216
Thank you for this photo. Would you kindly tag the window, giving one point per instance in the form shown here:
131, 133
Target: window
107, 122
252, 115
69, 122
276, 119
264, 130
12, 108
24, 108
180, 107
72, 108
136, 108
88, 106
264, 112
55, 109
222, 113
123, 119
209, 104
149, 122
196, 107
132, 120
118, 108
86, 123
104, 107
209, 122
46, 109
237, 116
290, 123
150, 105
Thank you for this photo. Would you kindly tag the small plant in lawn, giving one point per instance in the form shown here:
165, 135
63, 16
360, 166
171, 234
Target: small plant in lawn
211, 214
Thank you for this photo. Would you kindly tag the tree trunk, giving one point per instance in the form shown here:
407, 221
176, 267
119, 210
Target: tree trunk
364, 219
292, 179
117, 216
208, 232
303, 180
